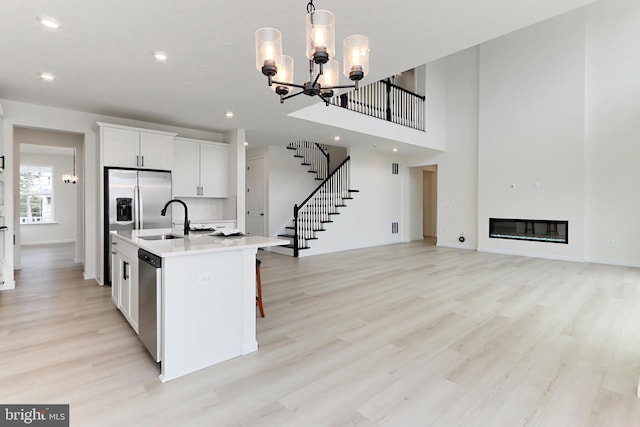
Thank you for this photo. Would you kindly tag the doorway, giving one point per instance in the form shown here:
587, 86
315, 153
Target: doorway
430, 203
48, 212
255, 197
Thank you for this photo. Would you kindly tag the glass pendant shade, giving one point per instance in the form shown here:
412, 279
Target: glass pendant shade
356, 56
321, 36
285, 71
268, 49
330, 75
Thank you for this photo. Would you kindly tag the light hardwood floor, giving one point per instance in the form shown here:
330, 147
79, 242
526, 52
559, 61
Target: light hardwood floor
399, 335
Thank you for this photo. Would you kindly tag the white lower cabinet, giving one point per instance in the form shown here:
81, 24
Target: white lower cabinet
124, 279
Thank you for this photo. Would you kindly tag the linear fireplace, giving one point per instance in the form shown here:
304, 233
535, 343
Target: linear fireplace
539, 230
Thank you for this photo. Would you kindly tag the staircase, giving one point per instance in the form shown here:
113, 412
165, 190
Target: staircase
318, 209
313, 155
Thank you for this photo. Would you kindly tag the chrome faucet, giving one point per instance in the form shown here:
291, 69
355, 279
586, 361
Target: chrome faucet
163, 212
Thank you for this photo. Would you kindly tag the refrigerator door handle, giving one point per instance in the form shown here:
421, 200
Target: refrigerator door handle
136, 206
140, 209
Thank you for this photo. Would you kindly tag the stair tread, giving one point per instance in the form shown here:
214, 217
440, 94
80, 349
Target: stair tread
354, 191
290, 147
298, 156
305, 164
287, 235
291, 247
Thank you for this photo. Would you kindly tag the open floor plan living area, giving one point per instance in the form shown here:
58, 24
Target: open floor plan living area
320, 213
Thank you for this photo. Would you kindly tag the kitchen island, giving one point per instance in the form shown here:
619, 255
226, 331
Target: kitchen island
207, 296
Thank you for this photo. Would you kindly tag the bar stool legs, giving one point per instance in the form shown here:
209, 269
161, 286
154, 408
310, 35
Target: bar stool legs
259, 288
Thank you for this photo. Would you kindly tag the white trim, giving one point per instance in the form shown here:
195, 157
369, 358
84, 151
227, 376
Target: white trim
609, 262
110, 125
8, 285
531, 255
48, 242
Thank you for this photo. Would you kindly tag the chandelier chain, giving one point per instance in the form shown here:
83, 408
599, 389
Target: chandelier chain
310, 7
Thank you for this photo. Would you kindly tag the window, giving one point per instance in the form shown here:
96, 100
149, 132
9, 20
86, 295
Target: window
36, 194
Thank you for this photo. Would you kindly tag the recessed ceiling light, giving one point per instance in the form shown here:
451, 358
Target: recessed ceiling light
395, 150
50, 23
336, 138
246, 143
160, 56
47, 77
228, 114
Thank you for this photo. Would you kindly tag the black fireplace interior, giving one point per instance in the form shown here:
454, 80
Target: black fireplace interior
539, 230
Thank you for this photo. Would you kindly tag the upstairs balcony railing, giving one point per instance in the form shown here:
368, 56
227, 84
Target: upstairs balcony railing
387, 101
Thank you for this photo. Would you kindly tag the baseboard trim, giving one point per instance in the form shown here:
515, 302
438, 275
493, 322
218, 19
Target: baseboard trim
531, 255
10, 284
609, 262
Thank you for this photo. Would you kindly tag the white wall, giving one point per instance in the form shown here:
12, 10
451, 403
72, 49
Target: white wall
63, 230
531, 163
366, 221
452, 100
289, 183
612, 148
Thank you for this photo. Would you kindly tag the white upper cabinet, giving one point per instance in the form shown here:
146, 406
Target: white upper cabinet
127, 147
214, 161
186, 174
200, 168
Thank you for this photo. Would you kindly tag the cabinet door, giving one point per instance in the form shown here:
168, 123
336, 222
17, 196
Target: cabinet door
214, 160
121, 147
133, 295
116, 263
155, 151
185, 175
125, 285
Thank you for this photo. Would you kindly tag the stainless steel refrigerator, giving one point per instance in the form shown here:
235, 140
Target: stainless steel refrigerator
133, 200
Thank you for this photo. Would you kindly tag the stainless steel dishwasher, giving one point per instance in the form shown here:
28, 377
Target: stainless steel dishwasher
149, 301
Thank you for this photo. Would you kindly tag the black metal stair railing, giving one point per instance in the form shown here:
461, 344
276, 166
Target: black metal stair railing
318, 208
313, 155
386, 101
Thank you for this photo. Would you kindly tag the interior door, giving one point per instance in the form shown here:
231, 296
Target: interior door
255, 197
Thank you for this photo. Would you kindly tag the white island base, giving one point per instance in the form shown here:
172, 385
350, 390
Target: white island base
208, 310
207, 297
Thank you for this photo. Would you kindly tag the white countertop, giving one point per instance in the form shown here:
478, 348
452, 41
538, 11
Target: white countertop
195, 242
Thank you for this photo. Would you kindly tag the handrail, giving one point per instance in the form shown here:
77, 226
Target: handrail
388, 81
323, 182
296, 207
385, 100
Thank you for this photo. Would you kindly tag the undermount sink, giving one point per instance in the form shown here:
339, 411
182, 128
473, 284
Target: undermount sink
161, 237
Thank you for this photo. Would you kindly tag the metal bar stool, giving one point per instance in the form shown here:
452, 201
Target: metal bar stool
259, 288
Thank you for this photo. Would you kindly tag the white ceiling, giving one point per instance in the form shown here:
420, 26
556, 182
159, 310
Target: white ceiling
102, 54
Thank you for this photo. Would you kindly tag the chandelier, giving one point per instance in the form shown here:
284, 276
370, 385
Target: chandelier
68, 178
323, 81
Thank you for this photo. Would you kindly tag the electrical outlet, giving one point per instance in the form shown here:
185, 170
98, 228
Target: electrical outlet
205, 278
